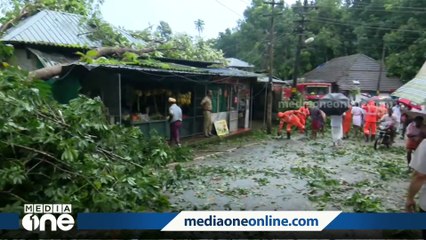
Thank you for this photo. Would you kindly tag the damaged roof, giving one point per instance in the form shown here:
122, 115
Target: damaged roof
54, 28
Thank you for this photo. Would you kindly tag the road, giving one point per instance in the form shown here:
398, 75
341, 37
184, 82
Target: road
296, 174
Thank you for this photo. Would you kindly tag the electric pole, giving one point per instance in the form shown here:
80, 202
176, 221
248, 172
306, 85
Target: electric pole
382, 62
300, 29
270, 68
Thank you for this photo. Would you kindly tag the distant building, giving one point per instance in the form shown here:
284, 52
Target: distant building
353, 72
239, 64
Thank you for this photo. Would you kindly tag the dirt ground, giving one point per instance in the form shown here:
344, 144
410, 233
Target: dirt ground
259, 172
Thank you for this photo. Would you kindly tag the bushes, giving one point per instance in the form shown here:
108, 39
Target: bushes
52, 153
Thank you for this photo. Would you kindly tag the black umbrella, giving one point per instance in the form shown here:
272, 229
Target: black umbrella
334, 104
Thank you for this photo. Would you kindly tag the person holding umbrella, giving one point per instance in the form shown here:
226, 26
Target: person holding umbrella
334, 105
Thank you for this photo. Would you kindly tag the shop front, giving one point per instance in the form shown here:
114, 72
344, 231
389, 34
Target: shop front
136, 96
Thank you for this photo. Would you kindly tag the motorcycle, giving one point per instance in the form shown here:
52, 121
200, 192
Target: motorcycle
384, 137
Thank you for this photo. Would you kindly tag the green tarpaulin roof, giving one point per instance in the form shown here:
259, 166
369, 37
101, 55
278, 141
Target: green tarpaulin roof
414, 90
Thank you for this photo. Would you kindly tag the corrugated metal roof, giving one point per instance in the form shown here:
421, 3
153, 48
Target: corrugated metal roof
56, 28
232, 72
51, 28
196, 71
358, 67
234, 62
51, 59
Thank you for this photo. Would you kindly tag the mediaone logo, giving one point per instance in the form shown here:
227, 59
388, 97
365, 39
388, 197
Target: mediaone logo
37, 215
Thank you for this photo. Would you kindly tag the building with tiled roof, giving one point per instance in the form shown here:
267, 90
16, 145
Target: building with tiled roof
350, 72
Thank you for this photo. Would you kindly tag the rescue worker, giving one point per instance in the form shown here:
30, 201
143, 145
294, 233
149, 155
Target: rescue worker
291, 119
347, 122
370, 121
302, 117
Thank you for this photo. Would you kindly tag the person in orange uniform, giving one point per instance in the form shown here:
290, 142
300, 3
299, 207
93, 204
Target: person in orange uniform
370, 121
302, 117
291, 119
347, 122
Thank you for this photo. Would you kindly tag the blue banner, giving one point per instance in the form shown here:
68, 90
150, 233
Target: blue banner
9, 221
157, 221
378, 221
123, 221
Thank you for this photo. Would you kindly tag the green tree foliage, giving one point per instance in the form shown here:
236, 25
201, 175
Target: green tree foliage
164, 30
340, 28
199, 25
54, 153
13, 8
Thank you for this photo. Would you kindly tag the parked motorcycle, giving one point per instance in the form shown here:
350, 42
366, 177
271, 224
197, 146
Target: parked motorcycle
384, 137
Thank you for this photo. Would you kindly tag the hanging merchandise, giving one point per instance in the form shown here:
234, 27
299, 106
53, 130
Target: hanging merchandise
235, 100
225, 93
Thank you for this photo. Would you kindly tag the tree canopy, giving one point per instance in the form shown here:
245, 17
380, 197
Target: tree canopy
372, 27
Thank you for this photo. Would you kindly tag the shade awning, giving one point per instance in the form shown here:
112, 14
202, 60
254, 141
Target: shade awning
414, 90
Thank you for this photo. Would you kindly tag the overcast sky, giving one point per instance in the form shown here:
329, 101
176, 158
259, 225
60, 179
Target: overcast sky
179, 14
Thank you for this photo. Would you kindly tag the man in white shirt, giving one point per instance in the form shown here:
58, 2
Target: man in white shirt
418, 181
357, 115
397, 113
390, 121
175, 118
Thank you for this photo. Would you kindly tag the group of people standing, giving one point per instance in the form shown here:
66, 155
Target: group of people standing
357, 120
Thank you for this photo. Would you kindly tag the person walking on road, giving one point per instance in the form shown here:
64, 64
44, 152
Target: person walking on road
418, 182
415, 135
206, 104
347, 122
370, 121
357, 115
336, 129
317, 121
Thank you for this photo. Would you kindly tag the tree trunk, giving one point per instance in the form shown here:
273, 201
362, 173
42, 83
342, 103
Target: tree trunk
105, 51
10, 23
46, 72
52, 71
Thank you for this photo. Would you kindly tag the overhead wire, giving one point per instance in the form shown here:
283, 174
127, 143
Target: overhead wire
230, 9
333, 21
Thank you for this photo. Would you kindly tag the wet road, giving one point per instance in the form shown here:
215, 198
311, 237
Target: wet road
297, 174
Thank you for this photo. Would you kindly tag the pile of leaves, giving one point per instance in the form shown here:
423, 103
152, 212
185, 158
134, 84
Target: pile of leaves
52, 153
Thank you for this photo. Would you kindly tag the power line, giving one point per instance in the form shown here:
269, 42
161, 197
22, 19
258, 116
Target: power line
230, 9
393, 7
352, 24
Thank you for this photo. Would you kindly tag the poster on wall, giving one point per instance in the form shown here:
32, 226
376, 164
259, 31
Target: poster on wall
221, 128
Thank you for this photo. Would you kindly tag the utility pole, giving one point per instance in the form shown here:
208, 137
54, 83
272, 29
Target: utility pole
382, 62
270, 69
300, 31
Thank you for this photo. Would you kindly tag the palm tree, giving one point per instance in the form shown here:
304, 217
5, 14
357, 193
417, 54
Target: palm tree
199, 25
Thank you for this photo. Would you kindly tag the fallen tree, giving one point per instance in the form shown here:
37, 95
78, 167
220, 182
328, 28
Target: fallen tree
53, 153
52, 71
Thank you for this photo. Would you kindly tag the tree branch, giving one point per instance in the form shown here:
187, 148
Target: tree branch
12, 21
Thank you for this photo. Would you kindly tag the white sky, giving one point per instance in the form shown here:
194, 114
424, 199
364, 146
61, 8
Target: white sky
179, 14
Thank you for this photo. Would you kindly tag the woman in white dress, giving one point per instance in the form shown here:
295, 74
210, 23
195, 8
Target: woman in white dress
336, 129
357, 114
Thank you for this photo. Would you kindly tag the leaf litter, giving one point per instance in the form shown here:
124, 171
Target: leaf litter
287, 175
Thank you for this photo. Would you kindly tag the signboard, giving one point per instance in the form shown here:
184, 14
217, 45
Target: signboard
221, 128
